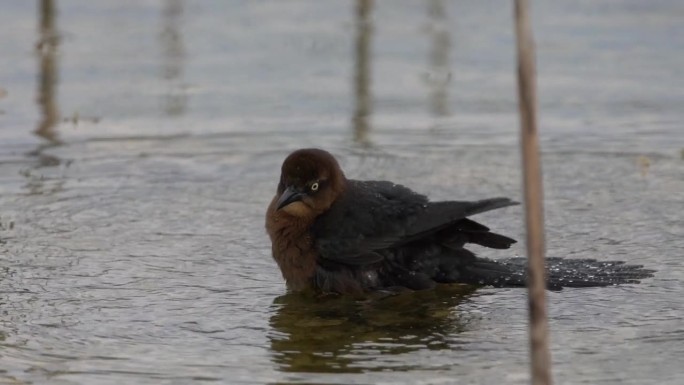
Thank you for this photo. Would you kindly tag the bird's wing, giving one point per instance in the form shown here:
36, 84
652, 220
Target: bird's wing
373, 216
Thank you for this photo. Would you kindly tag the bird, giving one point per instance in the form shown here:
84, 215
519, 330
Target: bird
334, 235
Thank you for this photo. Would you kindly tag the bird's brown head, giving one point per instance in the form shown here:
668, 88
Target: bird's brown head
310, 181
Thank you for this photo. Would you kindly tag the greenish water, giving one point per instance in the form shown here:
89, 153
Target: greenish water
140, 143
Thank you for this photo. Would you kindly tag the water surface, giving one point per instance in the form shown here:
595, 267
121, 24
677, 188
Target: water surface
141, 142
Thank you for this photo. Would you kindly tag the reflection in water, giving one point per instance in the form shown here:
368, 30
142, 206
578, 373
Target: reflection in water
343, 335
440, 74
47, 51
171, 39
362, 76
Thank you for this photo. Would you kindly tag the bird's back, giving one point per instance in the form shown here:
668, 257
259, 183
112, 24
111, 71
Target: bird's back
400, 236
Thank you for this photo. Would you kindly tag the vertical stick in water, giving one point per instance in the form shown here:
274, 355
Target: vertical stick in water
541, 371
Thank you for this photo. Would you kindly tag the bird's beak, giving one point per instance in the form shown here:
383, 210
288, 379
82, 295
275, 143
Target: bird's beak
288, 196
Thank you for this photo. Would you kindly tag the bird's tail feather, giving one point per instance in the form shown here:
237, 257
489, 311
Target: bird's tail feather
560, 272
491, 240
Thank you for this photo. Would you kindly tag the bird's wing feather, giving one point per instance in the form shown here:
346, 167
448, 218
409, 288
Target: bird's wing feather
373, 216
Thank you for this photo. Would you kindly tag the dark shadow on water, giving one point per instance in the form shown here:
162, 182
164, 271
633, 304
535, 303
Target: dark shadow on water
343, 335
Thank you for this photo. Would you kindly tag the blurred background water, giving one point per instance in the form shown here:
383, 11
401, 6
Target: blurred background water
140, 143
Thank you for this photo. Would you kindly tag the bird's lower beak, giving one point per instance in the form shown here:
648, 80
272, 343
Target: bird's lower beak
288, 196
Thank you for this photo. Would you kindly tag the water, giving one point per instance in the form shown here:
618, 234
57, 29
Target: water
139, 149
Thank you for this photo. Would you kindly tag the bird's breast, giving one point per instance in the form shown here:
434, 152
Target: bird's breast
293, 250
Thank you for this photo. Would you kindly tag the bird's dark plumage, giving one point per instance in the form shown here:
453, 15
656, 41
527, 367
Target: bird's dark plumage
333, 234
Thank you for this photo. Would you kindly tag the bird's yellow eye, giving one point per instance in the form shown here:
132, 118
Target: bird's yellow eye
314, 186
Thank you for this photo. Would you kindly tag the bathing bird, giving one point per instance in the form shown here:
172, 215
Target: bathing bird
331, 234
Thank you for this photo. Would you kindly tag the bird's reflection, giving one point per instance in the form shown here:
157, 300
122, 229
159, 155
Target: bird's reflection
337, 334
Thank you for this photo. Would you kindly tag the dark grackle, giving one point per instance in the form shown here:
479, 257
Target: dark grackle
331, 234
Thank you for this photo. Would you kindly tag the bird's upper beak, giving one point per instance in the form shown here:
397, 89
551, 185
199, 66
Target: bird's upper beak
288, 196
